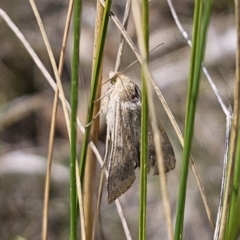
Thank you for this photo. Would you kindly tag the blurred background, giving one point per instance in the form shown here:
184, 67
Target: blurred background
26, 101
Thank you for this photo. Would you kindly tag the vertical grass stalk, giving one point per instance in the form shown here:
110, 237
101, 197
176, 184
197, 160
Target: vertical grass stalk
90, 176
94, 84
73, 132
144, 123
143, 162
96, 72
234, 211
200, 25
232, 222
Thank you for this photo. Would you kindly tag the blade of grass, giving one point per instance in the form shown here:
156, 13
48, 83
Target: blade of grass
122, 40
39, 63
223, 106
143, 161
97, 217
100, 37
188, 128
200, 25
144, 123
232, 178
73, 125
157, 139
225, 161
48, 170
94, 85
143, 41
51, 137
232, 230
80, 202
90, 167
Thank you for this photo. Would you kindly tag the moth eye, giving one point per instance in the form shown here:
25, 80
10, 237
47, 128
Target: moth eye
113, 81
119, 148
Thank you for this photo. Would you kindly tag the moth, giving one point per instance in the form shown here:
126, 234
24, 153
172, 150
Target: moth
122, 106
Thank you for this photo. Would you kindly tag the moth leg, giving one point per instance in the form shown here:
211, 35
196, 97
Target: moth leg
106, 151
103, 106
96, 116
104, 95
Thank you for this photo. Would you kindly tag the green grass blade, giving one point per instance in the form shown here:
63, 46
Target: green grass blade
144, 125
186, 150
73, 132
143, 163
200, 25
232, 228
94, 84
234, 212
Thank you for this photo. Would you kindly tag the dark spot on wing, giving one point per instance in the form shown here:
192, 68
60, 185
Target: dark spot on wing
119, 148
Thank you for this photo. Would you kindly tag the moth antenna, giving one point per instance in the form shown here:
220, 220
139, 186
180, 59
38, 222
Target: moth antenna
131, 64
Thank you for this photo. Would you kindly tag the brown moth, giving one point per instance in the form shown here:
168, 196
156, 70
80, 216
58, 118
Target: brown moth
122, 106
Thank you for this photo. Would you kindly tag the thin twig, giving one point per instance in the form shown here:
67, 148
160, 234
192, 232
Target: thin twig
185, 35
220, 205
53, 63
48, 171
51, 137
80, 201
130, 65
98, 203
28, 47
122, 40
123, 219
234, 130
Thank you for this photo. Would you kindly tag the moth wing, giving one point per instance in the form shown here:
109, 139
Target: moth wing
167, 150
124, 154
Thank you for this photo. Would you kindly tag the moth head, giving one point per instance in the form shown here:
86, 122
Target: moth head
113, 76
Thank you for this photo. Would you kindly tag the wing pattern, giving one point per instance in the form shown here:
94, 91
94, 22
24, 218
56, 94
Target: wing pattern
123, 129
123, 116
